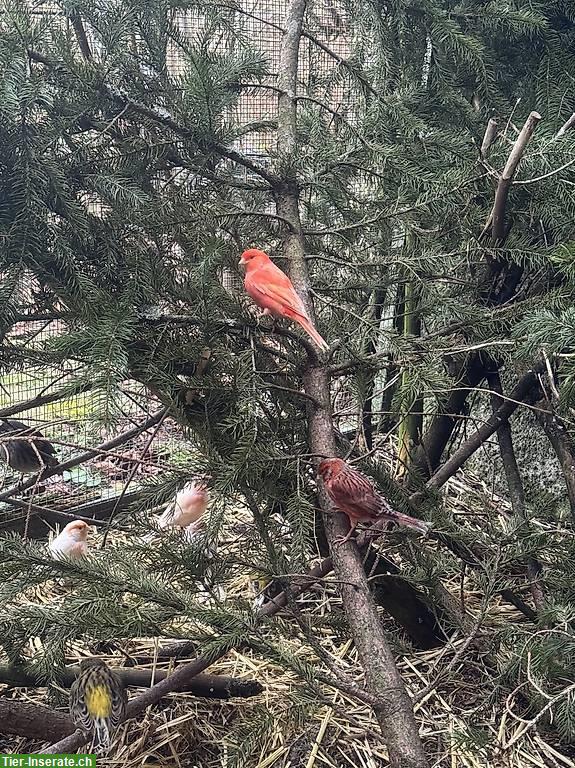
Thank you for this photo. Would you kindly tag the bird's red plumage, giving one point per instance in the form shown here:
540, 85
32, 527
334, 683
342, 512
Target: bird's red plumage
272, 290
353, 493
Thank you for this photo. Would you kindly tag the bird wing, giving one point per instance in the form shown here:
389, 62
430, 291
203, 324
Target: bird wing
119, 703
78, 708
357, 493
272, 282
167, 517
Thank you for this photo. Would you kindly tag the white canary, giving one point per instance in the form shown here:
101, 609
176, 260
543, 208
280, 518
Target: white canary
188, 506
72, 541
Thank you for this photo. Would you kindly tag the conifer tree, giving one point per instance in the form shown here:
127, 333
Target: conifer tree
418, 191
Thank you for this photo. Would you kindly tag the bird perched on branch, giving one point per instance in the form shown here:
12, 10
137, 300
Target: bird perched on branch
72, 541
272, 290
353, 493
24, 448
98, 701
188, 506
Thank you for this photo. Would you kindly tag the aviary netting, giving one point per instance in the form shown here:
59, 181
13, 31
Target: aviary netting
419, 193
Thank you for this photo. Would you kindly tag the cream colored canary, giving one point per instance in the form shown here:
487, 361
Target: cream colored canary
187, 508
72, 541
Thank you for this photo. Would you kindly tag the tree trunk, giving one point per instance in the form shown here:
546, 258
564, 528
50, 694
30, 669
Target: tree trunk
394, 710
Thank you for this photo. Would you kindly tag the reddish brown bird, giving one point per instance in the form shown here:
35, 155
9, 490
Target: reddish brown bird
354, 494
272, 290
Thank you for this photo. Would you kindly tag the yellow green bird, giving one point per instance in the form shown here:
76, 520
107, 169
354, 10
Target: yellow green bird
98, 701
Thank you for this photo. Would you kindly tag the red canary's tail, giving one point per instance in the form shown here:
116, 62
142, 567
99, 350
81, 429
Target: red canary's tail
311, 332
409, 522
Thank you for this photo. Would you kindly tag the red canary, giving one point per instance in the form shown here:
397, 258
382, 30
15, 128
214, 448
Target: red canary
354, 494
272, 290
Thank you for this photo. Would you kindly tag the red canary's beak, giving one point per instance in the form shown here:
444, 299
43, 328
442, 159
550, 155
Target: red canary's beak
241, 262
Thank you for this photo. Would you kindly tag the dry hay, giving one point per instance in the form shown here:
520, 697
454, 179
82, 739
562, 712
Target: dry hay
453, 690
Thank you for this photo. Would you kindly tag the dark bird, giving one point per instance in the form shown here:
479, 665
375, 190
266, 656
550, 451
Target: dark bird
24, 448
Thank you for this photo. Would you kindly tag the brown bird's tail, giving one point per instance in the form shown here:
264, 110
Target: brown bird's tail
311, 332
409, 522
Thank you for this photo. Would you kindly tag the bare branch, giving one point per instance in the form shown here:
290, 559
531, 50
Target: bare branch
506, 178
488, 138
515, 486
38, 400
566, 126
91, 513
561, 442
81, 36
207, 686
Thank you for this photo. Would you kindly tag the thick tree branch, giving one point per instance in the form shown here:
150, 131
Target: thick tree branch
37, 722
506, 178
427, 456
33, 721
521, 392
92, 513
394, 711
207, 686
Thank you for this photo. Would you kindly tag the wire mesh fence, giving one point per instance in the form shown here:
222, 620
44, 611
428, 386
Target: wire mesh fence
70, 423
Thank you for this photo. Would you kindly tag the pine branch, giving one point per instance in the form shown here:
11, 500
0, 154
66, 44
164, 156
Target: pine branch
232, 325
313, 39
124, 102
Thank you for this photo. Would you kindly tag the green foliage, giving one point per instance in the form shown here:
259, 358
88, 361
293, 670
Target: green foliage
124, 205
